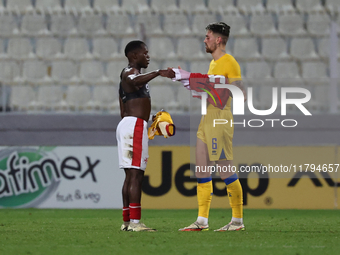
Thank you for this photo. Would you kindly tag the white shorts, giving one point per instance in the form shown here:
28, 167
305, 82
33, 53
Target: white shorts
132, 141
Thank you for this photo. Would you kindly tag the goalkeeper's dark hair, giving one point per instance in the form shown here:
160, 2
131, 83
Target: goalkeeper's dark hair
132, 46
220, 28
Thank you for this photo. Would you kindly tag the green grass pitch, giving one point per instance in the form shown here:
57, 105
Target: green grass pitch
34, 231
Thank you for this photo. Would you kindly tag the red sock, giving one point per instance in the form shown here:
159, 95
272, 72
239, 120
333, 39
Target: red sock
126, 214
135, 211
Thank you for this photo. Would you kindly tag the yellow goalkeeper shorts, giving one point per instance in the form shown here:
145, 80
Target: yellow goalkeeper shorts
219, 139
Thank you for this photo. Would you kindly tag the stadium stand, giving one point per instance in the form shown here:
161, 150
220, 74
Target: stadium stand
246, 49
309, 6
105, 98
8, 25
77, 98
104, 48
164, 6
262, 25
19, 6
49, 97
162, 48
76, 48
48, 48
80, 44
64, 72
280, 6
250, 6
291, 24
222, 6
274, 48
318, 24
192, 7
48, 6
150, 23
107, 6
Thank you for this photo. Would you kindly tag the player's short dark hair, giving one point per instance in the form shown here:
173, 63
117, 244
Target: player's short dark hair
219, 28
133, 45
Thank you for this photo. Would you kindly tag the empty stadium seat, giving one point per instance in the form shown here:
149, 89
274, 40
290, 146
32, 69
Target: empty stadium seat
164, 6
19, 6
246, 49
237, 25
288, 70
291, 24
34, 25
19, 48
63, 25
92, 72
77, 6
303, 48
319, 24
175, 64
50, 97
190, 48
274, 48
106, 6
105, 97
200, 21
176, 24
105, 48
200, 66
193, 6
314, 71
133, 7
162, 97
258, 71
48, 6
279, 6
186, 103
90, 25
114, 69
161, 48
21, 97
8, 25
64, 71
333, 6
76, 48
287, 73
324, 47
309, 6
262, 25
150, 23
222, 6
9, 71
119, 25
77, 97
35, 71
48, 48
248, 6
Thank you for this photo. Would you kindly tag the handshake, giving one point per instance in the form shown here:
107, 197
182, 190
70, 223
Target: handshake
168, 73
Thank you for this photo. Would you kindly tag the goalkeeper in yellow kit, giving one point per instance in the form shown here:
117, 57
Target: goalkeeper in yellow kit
214, 144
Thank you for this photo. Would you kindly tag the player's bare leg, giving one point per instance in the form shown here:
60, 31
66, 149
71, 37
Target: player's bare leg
134, 193
126, 202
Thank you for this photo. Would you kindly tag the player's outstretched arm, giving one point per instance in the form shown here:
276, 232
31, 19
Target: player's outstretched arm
168, 73
134, 78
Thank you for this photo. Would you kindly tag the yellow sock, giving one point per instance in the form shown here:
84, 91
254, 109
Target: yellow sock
235, 196
204, 194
